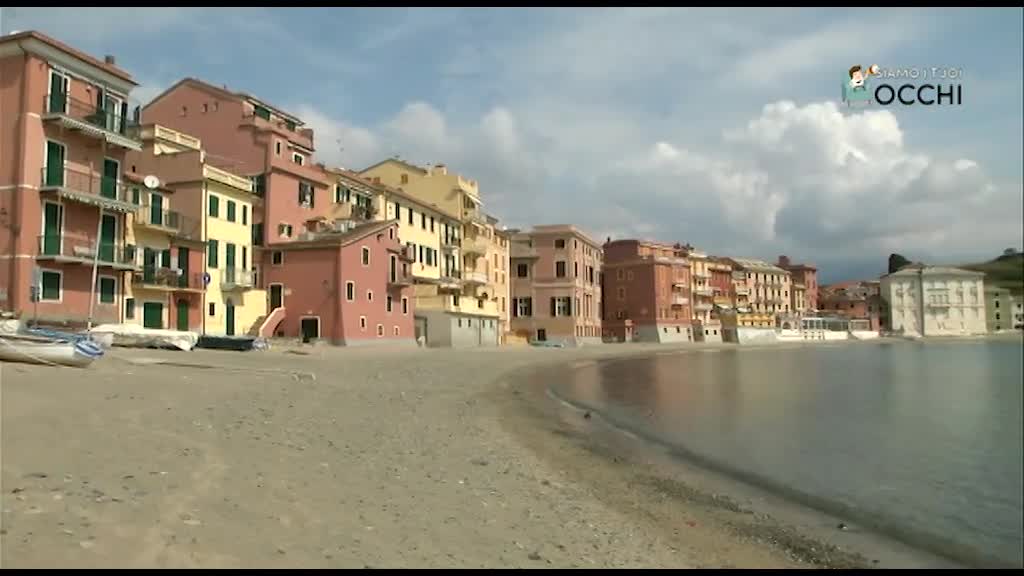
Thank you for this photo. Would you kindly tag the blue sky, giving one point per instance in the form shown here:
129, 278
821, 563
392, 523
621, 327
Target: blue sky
719, 127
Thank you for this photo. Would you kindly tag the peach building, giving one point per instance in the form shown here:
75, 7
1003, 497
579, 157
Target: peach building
805, 285
349, 285
648, 292
556, 293
66, 123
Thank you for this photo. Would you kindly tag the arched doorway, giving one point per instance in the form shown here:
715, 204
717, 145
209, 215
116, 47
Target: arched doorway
229, 318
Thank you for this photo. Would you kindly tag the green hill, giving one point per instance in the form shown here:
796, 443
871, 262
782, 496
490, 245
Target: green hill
1006, 271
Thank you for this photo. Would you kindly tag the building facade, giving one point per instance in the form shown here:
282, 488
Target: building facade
761, 288
348, 287
935, 301
1003, 310
860, 300
556, 293
460, 307
804, 280
706, 324
64, 132
648, 292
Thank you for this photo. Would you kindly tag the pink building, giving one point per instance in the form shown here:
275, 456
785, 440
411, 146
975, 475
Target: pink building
64, 131
804, 277
249, 137
349, 288
556, 285
857, 300
647, 292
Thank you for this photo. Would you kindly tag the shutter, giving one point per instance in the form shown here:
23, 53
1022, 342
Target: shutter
553, 308
124, 116
301, 195
568, 304
99, 100
515, 308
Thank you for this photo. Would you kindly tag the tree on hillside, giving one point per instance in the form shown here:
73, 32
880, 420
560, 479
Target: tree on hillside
1009, 252
897, 261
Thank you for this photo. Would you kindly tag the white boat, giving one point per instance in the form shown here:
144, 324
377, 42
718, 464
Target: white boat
135, 336
40, 350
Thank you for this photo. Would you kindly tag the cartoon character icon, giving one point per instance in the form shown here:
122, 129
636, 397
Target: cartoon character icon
858, 77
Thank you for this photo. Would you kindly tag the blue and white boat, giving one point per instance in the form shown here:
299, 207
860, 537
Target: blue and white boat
32, 349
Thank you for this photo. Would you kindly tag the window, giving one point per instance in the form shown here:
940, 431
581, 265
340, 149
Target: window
522, 307
277, 257
289, 125
259, 185
380, 330
405, 178
521, 270
350, 291
997, 303
366, 256
362, 323
261, 112
431, 223
284, 230
560, 243
480, 303
619, 274
306, 196
211, 254
213, 309
369, 295
136, 196
206, 107
622, 293
387, 306
391, 233
398, 211
50, 289
298, 158
214, 206
575, 269
410, 216
560, 269
231, 211
455, 300
629, 276
561, 306
245, 215
396, 331
107, 289
405, 305
997, 315
129, 308
423, 220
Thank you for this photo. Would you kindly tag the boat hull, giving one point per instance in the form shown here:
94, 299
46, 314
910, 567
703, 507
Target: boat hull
34, 350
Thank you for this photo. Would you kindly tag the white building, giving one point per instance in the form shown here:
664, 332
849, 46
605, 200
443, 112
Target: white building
935, 301
1004, 311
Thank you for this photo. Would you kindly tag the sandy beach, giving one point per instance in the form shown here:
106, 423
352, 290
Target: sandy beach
321, 457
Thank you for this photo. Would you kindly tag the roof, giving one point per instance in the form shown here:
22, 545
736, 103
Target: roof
759, 265
552, 229
112, 69
202, 84
923, 270
339, 239
396, 161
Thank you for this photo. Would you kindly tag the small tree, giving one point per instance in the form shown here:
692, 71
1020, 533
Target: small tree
897, 261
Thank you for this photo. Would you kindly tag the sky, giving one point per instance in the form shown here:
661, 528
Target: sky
718, 127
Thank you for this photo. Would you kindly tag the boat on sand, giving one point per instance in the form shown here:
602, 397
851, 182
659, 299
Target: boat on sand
41, 350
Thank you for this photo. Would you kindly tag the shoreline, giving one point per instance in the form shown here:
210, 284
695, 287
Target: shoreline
804, 533
328, 457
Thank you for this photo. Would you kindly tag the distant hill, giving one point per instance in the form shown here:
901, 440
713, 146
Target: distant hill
1006, 271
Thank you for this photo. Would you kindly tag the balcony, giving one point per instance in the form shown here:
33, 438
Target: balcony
112, 126
399, 281
680, 300
937, 305
742, 290
474, 246
236, 279
82, 250
702, 306
520, 250
679, 284
450, 243
704, 291
474, 216
703, 275
474, 278
356, 212
151, 218
168, 279
88, 188
674, 260
450, 280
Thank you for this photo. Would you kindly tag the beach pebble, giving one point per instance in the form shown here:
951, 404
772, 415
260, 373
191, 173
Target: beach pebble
17, 490
587, 416
534, 555
479, 462
68, 532
86, 544
192, 522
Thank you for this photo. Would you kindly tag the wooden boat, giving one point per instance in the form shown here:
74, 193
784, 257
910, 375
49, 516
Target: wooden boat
40, 350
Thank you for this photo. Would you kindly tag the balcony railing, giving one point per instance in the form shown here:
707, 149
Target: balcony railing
231, 278
704, 291
354, 212
476, 246
168, 278
86, 187
475, 277
680, 300
80, 114
475, 217
83, 249
450, 242
520, 250
399, 280
702, 306
741, 290
679, 284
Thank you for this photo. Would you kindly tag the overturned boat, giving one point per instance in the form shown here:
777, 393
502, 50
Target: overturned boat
43, 350
135, 336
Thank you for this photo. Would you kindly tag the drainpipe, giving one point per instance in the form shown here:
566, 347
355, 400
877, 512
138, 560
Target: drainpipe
338, 330
202, 234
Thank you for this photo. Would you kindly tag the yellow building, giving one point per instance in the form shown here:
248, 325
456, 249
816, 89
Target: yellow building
234, 305
498, 256
462, 309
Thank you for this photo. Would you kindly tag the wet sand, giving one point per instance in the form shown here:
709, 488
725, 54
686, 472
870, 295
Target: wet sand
347, 458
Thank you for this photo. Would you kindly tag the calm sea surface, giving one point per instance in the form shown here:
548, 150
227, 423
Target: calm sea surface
922, 441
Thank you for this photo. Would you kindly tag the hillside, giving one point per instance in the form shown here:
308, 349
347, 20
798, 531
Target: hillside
1006, 271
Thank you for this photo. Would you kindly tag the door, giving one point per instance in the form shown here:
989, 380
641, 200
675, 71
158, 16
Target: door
276, 296
108, 236
542, 335
54, 164
156, 209
113, 107
58, 98
310, 329
229, 266
182, 314
152, 315
148, 265
229, 319
53, 217
108, 184
183, 266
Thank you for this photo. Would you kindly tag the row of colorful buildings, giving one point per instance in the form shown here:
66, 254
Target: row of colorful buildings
206, 210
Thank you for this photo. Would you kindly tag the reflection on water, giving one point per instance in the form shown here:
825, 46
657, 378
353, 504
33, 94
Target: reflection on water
922, 439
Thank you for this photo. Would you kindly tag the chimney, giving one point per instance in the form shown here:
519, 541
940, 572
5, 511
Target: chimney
109, 59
